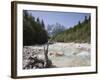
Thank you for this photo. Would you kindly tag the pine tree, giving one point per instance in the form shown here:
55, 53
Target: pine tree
38, 20
42, 23
86, 19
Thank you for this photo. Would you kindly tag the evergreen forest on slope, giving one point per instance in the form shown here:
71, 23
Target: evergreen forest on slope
80, 33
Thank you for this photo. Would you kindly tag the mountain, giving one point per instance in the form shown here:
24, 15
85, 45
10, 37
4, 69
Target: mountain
55, 29
79, 33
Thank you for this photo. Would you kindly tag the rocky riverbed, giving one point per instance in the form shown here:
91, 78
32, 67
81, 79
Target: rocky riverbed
61, 54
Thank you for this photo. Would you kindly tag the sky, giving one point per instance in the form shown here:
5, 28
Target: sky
67, 19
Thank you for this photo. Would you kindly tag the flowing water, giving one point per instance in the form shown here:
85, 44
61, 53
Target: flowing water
66, 54
72, 54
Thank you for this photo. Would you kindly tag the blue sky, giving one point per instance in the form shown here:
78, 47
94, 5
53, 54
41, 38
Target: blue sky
68, 19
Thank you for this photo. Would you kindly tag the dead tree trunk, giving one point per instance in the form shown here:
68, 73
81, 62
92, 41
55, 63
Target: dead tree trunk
47, 61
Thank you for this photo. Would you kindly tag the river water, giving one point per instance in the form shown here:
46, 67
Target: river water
67, 54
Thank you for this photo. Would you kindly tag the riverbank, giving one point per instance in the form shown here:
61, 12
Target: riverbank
62, 54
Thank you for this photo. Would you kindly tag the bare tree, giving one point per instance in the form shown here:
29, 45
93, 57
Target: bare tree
48, 62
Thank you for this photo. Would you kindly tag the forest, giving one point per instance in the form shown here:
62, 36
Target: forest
80, 33
35, 32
